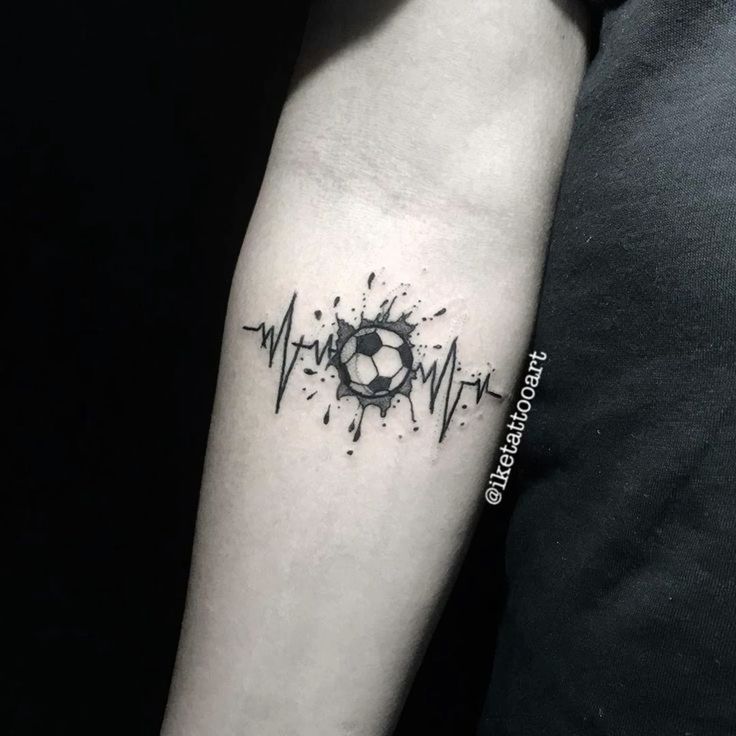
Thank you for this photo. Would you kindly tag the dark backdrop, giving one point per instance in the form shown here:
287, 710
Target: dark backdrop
136, 138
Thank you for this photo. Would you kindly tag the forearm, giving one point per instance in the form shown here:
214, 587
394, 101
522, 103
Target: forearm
428, 157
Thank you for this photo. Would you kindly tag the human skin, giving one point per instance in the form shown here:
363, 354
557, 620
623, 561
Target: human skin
424, 147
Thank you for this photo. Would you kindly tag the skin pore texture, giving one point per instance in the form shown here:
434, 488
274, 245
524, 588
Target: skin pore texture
387, 287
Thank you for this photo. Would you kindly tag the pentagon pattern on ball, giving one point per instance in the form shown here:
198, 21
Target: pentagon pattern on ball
374, 361
377, 361
369, 342
380, 385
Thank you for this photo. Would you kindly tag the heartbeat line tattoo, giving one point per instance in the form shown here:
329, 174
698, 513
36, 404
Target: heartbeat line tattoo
374, 362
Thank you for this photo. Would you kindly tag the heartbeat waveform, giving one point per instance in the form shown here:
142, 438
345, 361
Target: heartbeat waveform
277, 339
437, 376
273, 340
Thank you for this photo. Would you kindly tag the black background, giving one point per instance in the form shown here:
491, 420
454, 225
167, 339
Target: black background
136, 139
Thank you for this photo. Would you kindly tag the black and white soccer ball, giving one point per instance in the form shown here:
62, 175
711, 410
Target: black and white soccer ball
375, 361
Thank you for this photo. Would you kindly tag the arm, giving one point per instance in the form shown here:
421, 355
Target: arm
426, 153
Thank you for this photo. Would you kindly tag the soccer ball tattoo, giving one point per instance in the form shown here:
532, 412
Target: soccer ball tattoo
374, 361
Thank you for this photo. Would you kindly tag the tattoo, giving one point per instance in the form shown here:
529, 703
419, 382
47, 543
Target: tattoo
375, 361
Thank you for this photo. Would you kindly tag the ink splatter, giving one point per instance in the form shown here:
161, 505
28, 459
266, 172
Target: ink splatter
375, 362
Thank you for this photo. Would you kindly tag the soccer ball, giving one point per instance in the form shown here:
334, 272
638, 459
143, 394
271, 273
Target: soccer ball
375, 361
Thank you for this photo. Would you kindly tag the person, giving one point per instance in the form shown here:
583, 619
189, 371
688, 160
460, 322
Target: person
379, 327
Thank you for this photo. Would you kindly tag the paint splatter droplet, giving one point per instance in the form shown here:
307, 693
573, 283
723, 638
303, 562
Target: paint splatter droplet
370, 279
317, 314
440, 313
309, 371
326, 417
